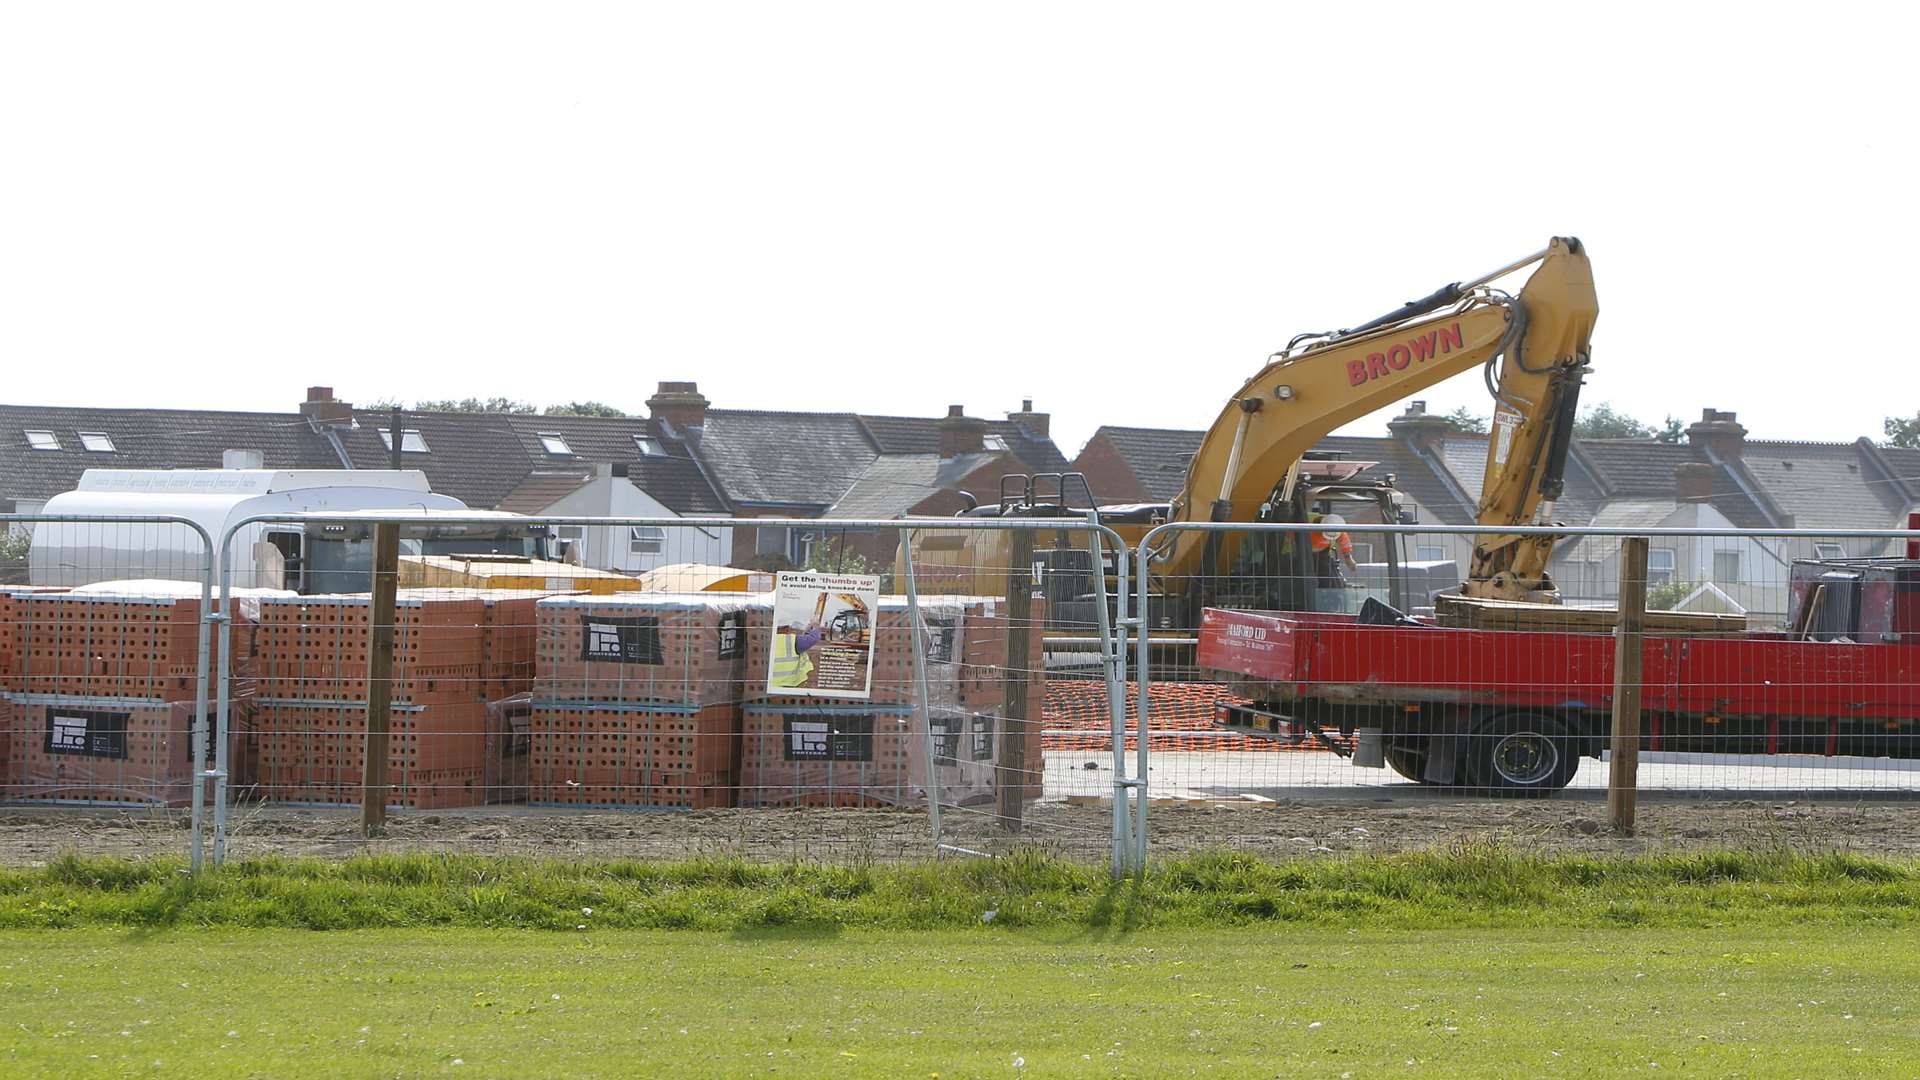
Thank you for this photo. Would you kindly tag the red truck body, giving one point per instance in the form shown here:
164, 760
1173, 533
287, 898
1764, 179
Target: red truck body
1277, 656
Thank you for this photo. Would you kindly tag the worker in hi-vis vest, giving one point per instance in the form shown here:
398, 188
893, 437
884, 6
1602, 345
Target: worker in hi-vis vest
1332, 549
791, 665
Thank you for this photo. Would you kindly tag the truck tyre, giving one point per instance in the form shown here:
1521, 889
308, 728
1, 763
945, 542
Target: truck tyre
1518, 755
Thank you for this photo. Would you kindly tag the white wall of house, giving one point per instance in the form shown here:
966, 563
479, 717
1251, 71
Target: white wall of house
1751, 570
638, 549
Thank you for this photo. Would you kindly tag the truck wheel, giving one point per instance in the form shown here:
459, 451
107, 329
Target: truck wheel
1409, 759
1522, 754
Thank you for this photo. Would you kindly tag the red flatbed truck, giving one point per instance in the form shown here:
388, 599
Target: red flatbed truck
1513, 712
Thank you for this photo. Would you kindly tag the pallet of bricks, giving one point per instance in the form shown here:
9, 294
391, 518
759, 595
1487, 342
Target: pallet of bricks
508, 643
637, 697
313, 696
805, 751
100, 686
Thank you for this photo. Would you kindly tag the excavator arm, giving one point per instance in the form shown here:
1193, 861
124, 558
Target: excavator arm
1534, 349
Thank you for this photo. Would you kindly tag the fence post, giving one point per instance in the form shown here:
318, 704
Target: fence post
386, 578
1628, 637
1012, 774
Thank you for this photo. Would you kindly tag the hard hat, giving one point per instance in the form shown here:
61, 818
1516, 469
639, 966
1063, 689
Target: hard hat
1332, 519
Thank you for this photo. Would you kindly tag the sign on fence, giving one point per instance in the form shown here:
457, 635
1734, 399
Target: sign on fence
823, 635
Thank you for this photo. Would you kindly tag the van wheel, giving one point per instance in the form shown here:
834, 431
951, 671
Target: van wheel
1521, 755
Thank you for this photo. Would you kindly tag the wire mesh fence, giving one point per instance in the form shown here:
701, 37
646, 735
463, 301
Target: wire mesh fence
656, 687
827, 697
1347, 659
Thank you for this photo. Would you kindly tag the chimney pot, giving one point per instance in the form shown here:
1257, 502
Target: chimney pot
1719, 432
1693, 481
681, 406
961, 434
321, 407
1038, 423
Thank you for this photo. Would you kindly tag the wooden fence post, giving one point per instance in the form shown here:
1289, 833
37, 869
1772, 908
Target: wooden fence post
1629, 634
386, 579
1011, 776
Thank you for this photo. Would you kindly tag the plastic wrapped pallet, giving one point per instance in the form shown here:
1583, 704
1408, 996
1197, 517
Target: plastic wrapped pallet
314, 752
641, 754
314, 648
112, 750
670, 648
119, 639
813, 754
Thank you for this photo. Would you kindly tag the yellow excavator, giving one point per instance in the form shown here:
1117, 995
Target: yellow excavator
1256, 462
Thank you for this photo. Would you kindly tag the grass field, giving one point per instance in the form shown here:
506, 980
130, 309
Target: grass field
1475, 962
1302, 1002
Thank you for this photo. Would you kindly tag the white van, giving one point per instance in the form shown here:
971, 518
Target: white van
309, 559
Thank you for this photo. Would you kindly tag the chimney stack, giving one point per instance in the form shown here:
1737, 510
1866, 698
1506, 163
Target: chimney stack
1417, 427
960, 433
1693, 481
1035, 422
1719, 432
681, 405
321, 408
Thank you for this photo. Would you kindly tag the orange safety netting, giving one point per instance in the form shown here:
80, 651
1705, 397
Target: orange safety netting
1180, 716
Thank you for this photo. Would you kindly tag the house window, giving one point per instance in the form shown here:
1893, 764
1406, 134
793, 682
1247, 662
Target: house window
570, 532
1429, 553
646, 540
555, 445
97, 442
648, 446
410, 441
1660, 565
1820, 551
43, 440
769, 541
1726, 567
994, 442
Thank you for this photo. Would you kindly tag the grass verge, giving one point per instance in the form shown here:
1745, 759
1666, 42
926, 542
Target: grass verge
1465, 886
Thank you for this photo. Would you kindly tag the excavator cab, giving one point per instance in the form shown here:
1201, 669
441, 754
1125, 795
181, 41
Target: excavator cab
1292, 571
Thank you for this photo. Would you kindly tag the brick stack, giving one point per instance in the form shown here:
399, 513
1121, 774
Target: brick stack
809, 751
636, 699
313, 715
104, 680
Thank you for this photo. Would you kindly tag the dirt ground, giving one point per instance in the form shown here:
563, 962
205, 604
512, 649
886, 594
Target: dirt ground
1315, 827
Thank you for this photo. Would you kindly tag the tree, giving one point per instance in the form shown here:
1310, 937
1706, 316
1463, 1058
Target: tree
1464, 419
1671, 432
1903, 431
584, 408
1603, 422
476, 405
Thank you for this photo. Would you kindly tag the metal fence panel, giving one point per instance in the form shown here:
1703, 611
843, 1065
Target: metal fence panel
1776, 664
543, 705
104, 641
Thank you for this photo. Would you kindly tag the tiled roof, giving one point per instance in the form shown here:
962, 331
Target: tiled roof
1644, 467
470, 456
1157, 457
794, 458
1411, 472
921, 435
895, 483
670, 474
145, 439
1823, 484
542, 489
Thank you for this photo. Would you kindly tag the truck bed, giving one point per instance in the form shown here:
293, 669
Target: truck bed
1282, 656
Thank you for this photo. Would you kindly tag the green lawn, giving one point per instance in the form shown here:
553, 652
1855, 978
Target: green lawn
1272, 1001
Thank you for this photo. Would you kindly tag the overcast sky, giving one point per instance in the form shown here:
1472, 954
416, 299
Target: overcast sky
1118, 212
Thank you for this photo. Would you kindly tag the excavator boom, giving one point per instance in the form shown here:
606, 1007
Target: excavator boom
1534, 348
